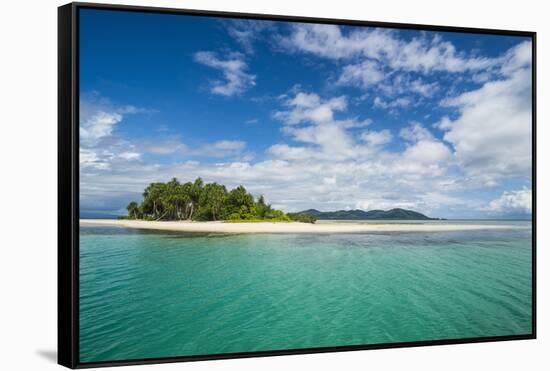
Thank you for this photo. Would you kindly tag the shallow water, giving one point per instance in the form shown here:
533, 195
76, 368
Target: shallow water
159, 294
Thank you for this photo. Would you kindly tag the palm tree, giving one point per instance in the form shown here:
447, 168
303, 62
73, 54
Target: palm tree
213, 198
152, 198
133, 210
195, 195
240, 201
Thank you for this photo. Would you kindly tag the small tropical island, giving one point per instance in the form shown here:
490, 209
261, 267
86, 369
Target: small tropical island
211, 208
197, 201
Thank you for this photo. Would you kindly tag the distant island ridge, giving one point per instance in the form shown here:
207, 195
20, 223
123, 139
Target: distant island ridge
357, 214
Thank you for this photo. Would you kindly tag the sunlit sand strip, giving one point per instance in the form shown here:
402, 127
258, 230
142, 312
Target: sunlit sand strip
221, 227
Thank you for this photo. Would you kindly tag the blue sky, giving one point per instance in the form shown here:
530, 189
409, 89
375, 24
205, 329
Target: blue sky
311, 116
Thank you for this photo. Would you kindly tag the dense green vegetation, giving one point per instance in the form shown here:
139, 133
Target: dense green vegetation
304, 218
198, 201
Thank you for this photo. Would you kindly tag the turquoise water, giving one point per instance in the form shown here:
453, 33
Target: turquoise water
148, 294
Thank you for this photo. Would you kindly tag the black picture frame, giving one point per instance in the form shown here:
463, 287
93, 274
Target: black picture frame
68, 182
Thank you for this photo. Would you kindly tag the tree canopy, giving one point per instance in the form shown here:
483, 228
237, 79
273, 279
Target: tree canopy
211, 201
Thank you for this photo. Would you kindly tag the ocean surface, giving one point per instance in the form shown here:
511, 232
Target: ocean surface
147, 294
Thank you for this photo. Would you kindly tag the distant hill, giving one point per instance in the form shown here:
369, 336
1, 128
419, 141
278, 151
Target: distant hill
396, 214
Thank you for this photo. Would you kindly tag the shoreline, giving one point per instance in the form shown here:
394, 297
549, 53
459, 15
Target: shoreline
292, 227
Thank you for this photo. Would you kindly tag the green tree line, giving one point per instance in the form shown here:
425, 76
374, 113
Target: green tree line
211, 201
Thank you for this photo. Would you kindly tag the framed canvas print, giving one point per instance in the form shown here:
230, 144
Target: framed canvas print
237, 185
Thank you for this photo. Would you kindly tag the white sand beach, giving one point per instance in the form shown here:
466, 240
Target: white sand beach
294, 227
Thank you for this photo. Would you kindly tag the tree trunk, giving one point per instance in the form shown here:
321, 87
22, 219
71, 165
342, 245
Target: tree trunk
162, 216
191, 212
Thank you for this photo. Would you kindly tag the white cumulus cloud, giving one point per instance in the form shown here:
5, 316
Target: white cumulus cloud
492, 134
99, 117
513, 201
234, 69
